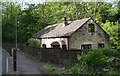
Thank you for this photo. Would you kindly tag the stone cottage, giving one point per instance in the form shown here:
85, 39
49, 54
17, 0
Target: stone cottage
78, 34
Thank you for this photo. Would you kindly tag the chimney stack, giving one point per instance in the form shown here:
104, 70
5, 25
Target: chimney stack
65, 21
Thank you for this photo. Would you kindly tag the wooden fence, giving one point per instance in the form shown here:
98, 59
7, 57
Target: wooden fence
48, 54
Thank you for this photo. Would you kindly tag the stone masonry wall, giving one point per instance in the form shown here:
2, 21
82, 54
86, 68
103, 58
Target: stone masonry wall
82, 36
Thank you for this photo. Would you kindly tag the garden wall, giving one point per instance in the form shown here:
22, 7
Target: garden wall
48, 54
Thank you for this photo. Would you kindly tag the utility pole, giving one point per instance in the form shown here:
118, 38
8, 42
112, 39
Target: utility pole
16, 26
15, 50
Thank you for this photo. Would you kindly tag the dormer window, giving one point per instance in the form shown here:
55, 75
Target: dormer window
91, 27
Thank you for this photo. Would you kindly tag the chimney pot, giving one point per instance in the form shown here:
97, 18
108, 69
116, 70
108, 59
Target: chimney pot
64, 18
65, 21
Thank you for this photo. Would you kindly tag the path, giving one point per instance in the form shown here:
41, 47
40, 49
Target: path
27, 65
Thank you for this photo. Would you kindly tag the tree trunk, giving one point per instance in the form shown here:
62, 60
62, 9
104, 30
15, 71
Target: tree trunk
76, 10
95, 9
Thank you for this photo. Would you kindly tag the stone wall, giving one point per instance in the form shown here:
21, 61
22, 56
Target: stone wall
47, 54
53, 55
82, 36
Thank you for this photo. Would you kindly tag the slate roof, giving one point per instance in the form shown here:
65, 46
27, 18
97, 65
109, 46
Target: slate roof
57, 30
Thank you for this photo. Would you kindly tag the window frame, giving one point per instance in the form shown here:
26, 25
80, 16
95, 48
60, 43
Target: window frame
88, 46
64, 47
100, 44
44, 46
91, 27
55, 46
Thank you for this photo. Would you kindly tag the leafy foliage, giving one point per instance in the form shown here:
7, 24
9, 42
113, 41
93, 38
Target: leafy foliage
37, 16
33, 42
110, 52
96, 62
50, 69
113, 30
93, 58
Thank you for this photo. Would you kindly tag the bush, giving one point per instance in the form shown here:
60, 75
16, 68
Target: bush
94, 58
50, 68
110, 52
33, 42
101, 61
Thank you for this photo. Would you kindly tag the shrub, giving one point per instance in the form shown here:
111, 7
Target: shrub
49, 68
110, 52
101, 61
33, 42
94, 58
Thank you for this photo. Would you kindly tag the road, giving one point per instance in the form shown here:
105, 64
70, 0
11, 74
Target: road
25, 64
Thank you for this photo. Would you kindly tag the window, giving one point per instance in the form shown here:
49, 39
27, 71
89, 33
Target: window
100, 45
63, 46
55, 45
91, 27
44, 46
86, 46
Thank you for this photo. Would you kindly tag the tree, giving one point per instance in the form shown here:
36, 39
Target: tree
112, 30
35, 17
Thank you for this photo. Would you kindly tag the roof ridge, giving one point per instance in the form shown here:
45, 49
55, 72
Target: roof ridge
57, 30
69, 21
